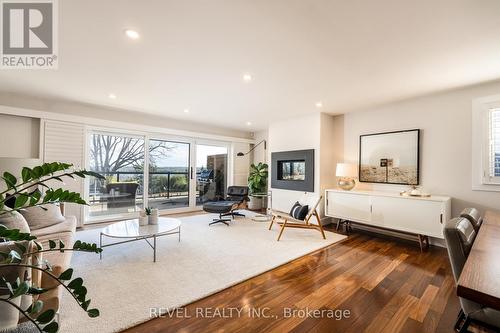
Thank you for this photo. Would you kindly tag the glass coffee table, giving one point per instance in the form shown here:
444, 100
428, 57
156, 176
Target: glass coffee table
131, 231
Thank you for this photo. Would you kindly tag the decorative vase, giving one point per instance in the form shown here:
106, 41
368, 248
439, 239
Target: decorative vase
153, 218
9, 315
143, 220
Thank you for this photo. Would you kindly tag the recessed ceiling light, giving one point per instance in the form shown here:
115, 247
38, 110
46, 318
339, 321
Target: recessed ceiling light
319, 104
132, 34
112, 96
249, 123
247, 77
186, 110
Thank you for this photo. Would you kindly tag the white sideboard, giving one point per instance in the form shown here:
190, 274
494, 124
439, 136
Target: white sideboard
423, 216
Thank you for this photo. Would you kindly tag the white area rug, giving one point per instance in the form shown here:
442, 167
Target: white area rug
126, 283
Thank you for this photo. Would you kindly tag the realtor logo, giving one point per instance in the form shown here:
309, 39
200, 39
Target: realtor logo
29, 34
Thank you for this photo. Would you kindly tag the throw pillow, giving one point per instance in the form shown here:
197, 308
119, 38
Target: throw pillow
298, 211
38, 217
14, 220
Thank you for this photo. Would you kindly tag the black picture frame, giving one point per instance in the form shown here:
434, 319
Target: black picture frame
385, 162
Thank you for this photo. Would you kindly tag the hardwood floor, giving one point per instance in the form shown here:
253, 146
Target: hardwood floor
386, 284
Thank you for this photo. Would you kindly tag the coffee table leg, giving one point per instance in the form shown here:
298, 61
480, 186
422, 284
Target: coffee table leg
100, 245
179, 233
154, 248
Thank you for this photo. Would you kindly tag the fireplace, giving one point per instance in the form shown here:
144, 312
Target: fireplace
293, 170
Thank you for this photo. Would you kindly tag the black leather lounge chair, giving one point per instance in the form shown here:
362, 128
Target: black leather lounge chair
237, 198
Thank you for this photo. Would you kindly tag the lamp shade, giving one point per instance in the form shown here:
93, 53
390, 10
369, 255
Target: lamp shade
346, 170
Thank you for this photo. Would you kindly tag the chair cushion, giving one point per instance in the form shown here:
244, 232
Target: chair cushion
14, 220
42, 216
299, 211
219, 206
237, 193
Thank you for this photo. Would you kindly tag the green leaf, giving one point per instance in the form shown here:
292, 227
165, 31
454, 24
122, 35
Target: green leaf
10, 179
85, 304
8, 285
14, 257
93, 313
75, 284
21, 200
21, 290
35, 307
26, 174
37, 172
46, 316
36, 291
53, 327
35, 197
52, 244
66, 275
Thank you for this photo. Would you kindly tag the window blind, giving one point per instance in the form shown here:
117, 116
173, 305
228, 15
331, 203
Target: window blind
65, 142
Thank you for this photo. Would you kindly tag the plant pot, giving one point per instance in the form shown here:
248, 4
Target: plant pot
143, 220
153, 219
9, 315
255, 203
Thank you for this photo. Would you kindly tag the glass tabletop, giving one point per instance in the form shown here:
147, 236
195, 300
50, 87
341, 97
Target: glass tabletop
132, 229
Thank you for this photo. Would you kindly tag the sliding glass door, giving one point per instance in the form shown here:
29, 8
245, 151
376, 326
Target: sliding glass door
120, 159
211, 172
170, 175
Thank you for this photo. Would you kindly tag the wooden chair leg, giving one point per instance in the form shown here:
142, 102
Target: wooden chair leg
282, 229
319, 224
272, 221
338, 224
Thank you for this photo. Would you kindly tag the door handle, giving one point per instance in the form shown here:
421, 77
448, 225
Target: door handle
441, 218
191, 171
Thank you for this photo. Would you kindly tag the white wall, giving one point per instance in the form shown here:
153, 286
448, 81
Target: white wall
331, 149
260, 154
241, 164
20, 137
446, 149
295, 133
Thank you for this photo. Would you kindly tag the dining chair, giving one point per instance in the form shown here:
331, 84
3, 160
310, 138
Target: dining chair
474, 217
459, 235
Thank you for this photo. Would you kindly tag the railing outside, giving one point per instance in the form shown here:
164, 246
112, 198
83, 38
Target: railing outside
161, 184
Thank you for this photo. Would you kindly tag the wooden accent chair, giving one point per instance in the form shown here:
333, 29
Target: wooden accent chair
288, 221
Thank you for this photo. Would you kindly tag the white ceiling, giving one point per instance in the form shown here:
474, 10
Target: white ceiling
192, 54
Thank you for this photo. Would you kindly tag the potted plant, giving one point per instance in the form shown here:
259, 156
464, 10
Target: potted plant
257, 183
144, 216
18, 195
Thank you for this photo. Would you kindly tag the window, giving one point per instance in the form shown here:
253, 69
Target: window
486, 143
493, 174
